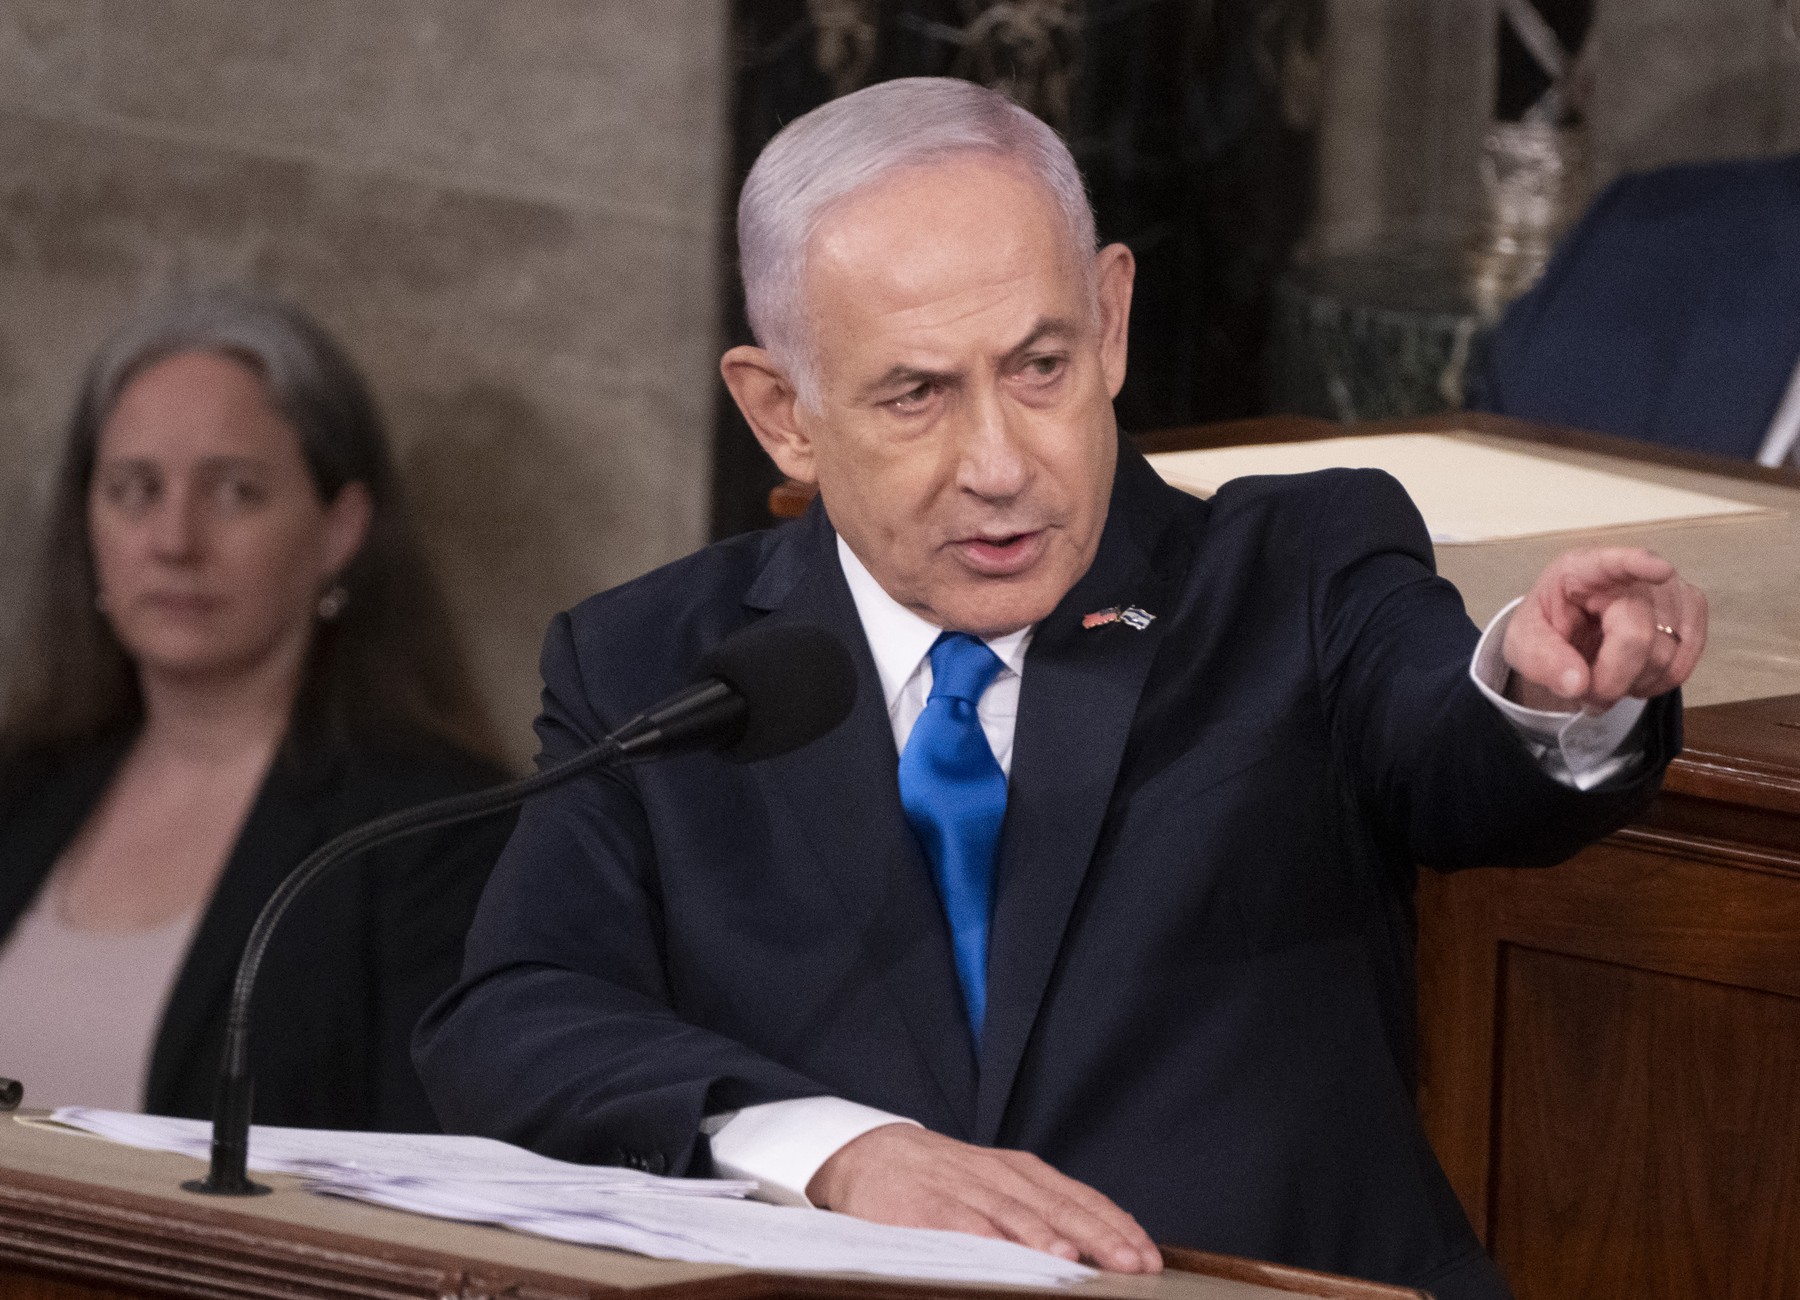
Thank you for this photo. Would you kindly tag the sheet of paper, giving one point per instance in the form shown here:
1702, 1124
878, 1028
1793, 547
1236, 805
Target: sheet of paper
393, 1155
1467, 491
748, 1234
478, 1180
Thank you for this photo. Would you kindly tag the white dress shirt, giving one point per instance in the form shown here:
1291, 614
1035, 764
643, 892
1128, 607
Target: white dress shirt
901, 642
781, 1144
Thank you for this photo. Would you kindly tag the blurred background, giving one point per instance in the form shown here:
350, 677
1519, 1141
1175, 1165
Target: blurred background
516, 216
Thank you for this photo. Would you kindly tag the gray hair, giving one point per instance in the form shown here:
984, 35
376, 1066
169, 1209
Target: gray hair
308, 377
852, 142
388, 666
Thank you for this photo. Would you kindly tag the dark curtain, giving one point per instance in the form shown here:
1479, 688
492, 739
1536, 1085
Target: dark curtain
1192, 121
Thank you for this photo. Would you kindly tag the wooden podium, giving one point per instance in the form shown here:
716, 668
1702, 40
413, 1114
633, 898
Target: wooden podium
85, 1219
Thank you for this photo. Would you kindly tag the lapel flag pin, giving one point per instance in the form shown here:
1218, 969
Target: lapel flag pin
1130, 615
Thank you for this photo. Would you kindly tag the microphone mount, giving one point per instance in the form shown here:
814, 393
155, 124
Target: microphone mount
229, 1171
764, 690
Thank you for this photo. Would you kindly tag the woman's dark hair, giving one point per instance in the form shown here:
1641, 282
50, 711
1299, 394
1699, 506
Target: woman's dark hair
387, 668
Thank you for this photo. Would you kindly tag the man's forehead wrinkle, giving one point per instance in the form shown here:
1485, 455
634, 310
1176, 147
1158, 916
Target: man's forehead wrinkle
925, 310
947, 311
949, 292
896, 221
927, 273
933, 275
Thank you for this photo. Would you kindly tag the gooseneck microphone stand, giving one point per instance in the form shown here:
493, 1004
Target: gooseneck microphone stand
229, 1175
769, 688
701, 712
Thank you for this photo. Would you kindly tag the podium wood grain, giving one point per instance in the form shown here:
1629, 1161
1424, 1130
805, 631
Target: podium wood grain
1610, 1063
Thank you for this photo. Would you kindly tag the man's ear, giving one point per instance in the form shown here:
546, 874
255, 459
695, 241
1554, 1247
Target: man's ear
1115, 270
767, 398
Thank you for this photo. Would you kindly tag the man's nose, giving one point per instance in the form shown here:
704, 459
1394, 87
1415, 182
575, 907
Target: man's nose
992, 464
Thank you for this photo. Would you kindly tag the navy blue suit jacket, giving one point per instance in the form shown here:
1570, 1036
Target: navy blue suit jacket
1199, 980
1670, 314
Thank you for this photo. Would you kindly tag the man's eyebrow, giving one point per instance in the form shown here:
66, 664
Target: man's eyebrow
1049, 327
903, 377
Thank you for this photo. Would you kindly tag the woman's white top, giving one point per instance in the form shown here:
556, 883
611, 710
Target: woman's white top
79, 1009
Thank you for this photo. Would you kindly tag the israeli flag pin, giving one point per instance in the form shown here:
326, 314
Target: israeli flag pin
1130, 615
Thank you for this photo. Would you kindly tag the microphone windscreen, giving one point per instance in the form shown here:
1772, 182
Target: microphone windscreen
796, 679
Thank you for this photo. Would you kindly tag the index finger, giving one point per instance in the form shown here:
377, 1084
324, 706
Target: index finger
1590, 571
1103, 1230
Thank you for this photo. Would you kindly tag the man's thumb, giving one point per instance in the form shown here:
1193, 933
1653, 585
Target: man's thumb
1541, 655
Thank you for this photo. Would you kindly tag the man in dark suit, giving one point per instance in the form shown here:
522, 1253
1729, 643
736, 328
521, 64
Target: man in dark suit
1669, 315
1091, 924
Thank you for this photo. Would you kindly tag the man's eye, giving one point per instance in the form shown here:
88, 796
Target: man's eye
914, 397
1042, 369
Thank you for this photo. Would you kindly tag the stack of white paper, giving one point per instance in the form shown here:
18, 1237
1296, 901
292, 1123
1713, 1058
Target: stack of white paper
327, 1154
479, 1180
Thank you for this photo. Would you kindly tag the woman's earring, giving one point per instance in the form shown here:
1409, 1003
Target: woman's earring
332, 603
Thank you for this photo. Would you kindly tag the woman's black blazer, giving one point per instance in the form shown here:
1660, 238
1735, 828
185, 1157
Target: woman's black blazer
356, 961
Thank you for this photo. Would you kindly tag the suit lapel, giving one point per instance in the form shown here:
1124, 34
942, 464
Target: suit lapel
287, 821
1077, 701
844, 790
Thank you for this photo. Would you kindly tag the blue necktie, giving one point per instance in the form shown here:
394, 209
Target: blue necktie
954, 794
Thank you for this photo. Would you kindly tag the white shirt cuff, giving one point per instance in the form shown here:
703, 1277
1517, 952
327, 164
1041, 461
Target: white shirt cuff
781, 1144
1579, 750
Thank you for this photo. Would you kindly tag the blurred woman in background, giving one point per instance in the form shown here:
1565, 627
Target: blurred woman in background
237, 652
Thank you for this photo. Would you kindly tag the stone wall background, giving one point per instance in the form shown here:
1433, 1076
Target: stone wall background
508, 212
1409, 86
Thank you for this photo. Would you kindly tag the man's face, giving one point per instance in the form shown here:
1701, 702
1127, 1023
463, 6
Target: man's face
963, 441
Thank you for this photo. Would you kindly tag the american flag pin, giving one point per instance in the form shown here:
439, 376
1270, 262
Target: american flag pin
1131, 616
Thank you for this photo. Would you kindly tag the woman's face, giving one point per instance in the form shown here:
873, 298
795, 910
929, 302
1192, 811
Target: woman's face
211, 545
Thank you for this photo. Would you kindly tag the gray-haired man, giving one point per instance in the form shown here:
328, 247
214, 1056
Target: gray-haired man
1093, 913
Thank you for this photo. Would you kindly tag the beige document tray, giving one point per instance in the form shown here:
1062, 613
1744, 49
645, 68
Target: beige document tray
1467, 491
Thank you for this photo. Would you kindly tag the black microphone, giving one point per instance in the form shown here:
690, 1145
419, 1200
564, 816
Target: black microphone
12, 1092
767, 689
